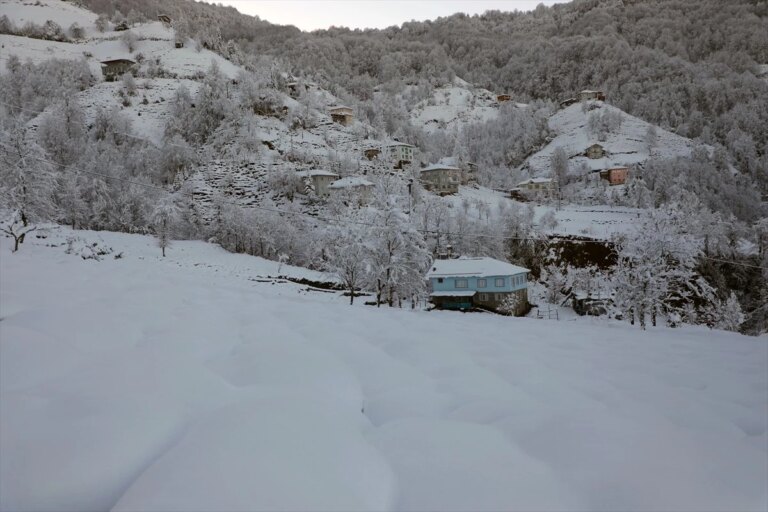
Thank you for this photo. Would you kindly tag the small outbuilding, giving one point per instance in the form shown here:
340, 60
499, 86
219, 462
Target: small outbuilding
615, 175
372, 153
165, 19
538, 186
501, 98
342, 115
113, 69
588, 94
353, 188
318, 181
441, 179
595, 151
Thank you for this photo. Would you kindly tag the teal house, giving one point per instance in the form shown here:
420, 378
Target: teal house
486, 283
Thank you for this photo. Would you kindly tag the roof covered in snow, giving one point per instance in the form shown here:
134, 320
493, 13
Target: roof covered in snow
440, 167
350, 182
535, 180
479, 267
315, 172
396, 144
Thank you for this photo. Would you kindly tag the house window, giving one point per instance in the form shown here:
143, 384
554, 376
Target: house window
482, 283
461, 283
483, 297
499, 282
439, 279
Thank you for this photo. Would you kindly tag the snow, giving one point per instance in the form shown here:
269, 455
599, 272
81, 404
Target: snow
475, 267
65, 14
455, 106
351, 182
599, 221
155, 41
440, 167
625, 147
185, 383
315, 172
535, 180
39, 50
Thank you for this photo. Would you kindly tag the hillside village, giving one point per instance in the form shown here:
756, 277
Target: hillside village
297, 149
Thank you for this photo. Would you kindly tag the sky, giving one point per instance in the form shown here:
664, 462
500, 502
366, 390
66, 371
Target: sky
318, 14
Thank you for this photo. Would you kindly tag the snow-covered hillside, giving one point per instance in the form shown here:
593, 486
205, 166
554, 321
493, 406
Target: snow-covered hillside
626, 145
155, 42
143, 383
454, 106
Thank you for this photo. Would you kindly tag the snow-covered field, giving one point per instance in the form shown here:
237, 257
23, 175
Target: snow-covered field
598, 221
143, 383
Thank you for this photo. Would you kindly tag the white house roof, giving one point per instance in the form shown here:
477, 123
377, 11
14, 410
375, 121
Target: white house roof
396, 144
474, 267
453, 294
340, 107
535, 180
440, 167
351, 181
315, 172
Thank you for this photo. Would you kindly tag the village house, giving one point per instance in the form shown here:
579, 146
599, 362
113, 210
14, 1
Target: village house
595, 151
538, 186
587, 94
501, 98
486, 283
113, 69
615, 175
164, 19
342, 115
400, 153
372, 153
353, 188
318, 181
441, 179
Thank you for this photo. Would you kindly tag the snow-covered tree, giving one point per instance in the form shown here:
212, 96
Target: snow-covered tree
163, 220
731, 316
26, 183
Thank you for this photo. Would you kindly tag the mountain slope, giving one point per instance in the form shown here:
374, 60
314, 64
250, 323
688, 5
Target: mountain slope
627, 144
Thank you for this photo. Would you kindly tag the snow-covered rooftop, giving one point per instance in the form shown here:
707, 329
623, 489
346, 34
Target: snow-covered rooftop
396, 144
440, 167
315, 172
480, 267
351, 181
535, 180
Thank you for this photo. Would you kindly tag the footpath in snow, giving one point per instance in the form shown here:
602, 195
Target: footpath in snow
195, 383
